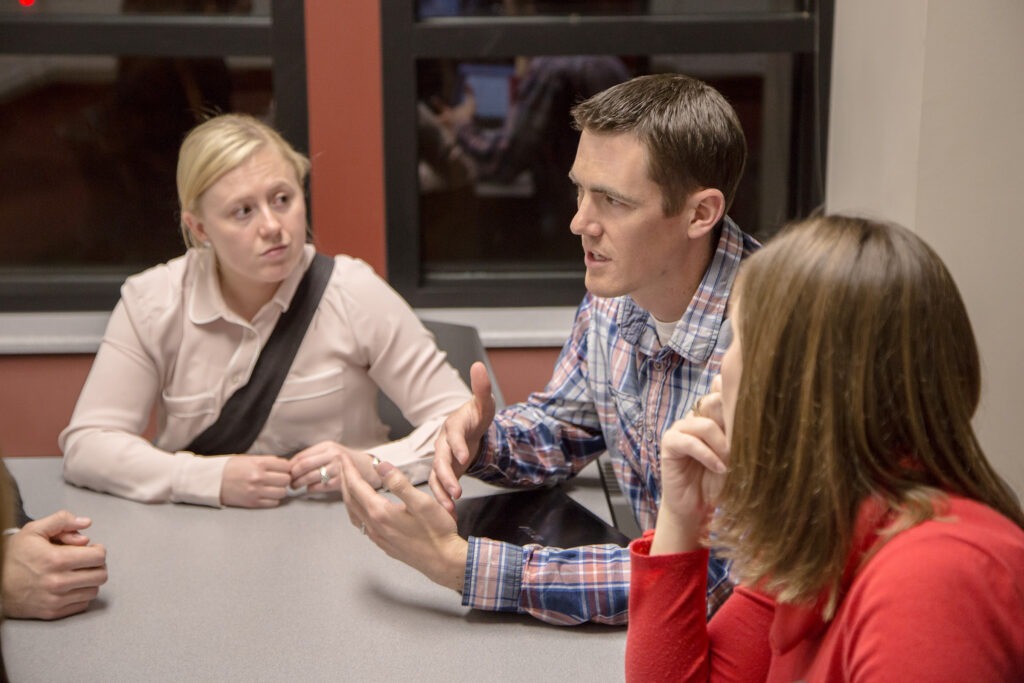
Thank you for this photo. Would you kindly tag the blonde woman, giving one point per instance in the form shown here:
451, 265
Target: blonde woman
187, 335
871, 537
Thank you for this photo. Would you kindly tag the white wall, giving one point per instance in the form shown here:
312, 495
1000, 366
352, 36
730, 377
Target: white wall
927, 129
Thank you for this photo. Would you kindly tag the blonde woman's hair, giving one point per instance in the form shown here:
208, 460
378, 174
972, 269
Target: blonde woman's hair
860, 377
219, 145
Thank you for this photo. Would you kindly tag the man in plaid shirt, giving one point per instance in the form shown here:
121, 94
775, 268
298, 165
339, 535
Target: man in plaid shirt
658, 163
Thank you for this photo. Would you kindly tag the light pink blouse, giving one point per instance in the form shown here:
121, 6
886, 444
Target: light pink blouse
174, 350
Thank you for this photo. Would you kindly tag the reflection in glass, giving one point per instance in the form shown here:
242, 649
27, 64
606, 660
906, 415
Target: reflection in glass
89, 151
509, 122
496, 145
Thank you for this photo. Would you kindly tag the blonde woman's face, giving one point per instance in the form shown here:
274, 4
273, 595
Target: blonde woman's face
254, 218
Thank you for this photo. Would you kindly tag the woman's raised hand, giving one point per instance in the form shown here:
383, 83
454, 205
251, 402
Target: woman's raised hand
694, 457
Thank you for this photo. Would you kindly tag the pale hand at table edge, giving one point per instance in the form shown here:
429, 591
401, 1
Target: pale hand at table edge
50, 569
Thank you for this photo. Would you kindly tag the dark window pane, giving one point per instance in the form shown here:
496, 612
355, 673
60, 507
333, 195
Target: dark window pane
494, 192
90, 147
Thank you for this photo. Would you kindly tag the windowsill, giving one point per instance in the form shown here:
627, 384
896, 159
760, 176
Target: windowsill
81, 332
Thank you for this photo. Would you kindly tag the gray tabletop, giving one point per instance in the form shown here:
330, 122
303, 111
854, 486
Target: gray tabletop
294, 593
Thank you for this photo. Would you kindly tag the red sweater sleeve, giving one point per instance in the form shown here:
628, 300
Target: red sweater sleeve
668, 637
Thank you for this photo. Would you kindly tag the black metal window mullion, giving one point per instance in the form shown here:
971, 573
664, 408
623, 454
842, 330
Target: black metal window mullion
769, 32
153, 36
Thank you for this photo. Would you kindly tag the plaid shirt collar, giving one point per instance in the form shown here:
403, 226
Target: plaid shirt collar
696, 334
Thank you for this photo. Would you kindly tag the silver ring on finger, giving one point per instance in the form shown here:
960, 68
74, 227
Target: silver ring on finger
324, 475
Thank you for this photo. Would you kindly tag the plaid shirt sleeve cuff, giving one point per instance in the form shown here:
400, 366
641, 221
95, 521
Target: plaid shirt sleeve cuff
494, 575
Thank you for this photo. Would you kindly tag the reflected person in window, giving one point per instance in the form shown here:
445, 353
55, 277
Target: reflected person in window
186, 335
534, 136
838, 467
657, 166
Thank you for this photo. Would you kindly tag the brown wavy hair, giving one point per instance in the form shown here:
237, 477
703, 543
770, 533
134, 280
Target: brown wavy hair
860, 378
692, 134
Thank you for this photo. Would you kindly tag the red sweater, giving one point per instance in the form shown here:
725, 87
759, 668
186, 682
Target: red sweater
942, 601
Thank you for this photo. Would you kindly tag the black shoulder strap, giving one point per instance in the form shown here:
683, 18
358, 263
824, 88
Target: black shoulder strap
244, 414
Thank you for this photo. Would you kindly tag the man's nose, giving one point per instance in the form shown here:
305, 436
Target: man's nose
583, 221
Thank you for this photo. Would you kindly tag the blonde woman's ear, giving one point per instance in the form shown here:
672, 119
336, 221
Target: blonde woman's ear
195, 228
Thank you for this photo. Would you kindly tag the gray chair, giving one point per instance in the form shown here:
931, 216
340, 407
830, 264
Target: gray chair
463, 346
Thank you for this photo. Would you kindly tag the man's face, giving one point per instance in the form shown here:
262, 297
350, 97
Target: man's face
630, 246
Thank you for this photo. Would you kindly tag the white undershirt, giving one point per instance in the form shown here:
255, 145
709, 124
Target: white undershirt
664, 329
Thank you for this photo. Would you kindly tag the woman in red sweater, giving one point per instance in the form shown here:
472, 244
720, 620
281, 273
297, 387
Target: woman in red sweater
838, 469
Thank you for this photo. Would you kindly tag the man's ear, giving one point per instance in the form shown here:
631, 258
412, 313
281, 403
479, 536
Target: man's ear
195, 226
704, 208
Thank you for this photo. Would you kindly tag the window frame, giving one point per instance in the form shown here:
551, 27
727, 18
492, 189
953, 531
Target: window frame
280, 35
806, 34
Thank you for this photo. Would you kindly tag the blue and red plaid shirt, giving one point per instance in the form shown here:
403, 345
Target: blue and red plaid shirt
614, 388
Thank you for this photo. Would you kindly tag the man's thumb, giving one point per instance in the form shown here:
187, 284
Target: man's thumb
393, 479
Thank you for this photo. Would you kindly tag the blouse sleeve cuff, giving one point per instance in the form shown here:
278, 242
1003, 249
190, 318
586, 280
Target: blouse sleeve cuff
198, 479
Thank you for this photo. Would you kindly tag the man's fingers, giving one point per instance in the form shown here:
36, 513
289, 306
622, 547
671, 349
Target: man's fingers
483, 396
480, 382
398, 484
440, 492
443, 480
355, 491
